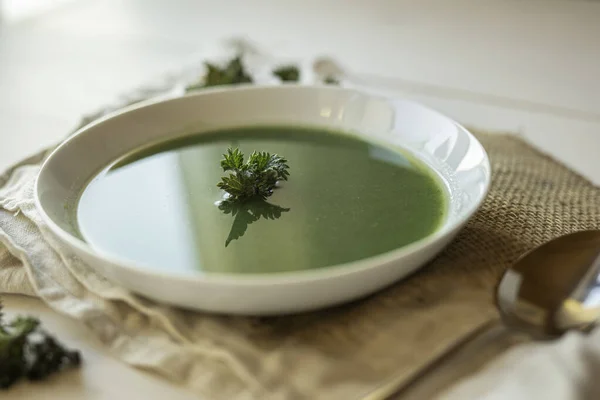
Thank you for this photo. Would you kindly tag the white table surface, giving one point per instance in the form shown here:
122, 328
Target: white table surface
527, 66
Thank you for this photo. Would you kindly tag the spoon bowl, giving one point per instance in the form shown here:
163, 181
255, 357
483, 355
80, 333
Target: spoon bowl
555, 287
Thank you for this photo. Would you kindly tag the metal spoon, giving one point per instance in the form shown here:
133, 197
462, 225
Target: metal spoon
548, 291
555, 287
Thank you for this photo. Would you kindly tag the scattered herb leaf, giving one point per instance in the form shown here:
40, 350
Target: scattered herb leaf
288, 73
232, 73
330, 80
28, 352
245, 213
255, 178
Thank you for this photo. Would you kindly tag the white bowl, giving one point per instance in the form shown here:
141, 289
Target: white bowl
444, 145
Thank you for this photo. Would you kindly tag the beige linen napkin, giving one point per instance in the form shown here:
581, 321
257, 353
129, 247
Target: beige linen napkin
341, 353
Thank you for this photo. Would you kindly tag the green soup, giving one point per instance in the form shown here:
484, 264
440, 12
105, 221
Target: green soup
346, 199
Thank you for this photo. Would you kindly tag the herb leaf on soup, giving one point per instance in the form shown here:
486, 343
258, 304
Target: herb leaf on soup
255, 178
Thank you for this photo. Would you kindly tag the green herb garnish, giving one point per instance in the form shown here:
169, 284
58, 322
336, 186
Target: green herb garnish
233, 73
288, 73
28, 352
255, 178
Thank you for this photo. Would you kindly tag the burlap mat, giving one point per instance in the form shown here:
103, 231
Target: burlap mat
342, 353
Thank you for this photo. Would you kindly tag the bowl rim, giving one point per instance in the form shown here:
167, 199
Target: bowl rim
252, 279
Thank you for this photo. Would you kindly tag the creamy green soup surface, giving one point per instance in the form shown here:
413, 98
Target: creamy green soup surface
346, 199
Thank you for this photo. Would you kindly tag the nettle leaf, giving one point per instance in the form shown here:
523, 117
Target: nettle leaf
331, 80
232, 160
255, 178
288, 73
232, 73
28, 352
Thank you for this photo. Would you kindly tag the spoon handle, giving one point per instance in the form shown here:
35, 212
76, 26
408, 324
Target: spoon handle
465, 358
